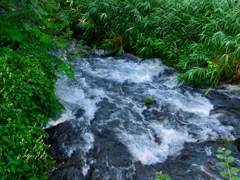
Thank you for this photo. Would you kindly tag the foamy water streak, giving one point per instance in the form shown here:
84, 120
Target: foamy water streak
146, 150
232, 91
112, 91
120, 70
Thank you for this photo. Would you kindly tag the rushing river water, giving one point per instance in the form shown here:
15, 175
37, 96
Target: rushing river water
108, 133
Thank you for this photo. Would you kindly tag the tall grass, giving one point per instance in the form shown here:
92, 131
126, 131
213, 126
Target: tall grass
200, 38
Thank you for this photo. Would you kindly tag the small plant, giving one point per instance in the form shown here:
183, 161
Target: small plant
161, 176
149, 101
224, 155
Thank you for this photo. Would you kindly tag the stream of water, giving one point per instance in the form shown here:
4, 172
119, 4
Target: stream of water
107, 132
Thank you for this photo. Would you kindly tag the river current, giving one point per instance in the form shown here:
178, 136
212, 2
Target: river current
107, 132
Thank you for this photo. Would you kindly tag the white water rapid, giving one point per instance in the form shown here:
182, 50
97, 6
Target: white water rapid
108, 97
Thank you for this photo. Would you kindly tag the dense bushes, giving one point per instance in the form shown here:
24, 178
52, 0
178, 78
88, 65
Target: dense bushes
27, 76
201, 38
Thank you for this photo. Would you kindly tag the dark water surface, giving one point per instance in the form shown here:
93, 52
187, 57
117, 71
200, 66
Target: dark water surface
108, 133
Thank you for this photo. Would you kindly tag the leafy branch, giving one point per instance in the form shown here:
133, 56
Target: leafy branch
230, 172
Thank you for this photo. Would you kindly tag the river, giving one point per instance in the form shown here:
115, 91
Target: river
107, 132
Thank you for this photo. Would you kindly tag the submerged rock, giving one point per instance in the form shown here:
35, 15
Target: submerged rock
154, 115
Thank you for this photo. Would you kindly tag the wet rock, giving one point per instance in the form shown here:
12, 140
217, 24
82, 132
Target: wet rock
153, 115
105, 110
80, 112
237, 143
153, 104
63, 139
67, 173
157, 139
227, 109
195, 162
228, 122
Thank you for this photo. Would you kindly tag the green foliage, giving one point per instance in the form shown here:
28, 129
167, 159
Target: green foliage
229, 172
200, 38
27, 76
161, 176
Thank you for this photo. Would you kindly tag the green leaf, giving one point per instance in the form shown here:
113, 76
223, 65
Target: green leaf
223, 164
220, 150
234, 170
227, 152
230, 159
219, 156
224, 174
12, 169
4, 177
235, 178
